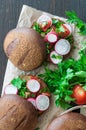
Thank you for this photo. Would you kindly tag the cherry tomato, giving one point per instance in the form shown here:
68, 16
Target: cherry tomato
79, 94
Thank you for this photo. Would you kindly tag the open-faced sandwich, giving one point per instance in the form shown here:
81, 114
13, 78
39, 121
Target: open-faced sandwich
57, 35
32, 89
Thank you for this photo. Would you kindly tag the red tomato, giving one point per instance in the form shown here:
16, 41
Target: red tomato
79, 94
45, 25
65, 33
33, 77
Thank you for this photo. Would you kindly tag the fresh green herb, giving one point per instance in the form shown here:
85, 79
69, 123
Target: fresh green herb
18, 82
44, 90
37, 129
84, 87
21, 85
59, 28
70, 39
39, 30
37, 27
54, 21
49, 47
73, 18
62, 80
56, 56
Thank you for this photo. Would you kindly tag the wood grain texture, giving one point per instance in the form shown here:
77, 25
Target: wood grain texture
10, 10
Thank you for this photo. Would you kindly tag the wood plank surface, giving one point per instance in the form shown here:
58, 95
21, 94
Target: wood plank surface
10, 10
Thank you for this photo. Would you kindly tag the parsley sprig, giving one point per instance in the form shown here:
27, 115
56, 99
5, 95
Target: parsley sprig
73, 18
21, 86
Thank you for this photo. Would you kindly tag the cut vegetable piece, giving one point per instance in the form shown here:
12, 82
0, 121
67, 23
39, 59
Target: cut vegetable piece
33, 77
42, 102
44, 22
79, 94
62, 47
51, 37
55, 57
33, 85
33, 101
64, 31
10, 89
68, 27
46, 93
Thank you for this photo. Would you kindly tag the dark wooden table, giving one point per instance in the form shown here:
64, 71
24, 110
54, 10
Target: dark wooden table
10, 10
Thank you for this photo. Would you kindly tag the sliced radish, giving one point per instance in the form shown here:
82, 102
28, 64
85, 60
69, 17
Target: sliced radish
51, 37
68, 27
33, 101
10, 89
62, 47
44, 22
42, 102
33, 85
55, 57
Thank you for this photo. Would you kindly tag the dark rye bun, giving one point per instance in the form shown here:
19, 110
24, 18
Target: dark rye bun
69, 121
17, 114
25, 48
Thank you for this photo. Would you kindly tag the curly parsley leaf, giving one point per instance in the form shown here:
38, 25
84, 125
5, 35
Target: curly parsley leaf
37, 129
18, 82
73, 18
21, 85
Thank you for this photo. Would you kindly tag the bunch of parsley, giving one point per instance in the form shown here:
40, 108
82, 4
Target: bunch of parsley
62, 80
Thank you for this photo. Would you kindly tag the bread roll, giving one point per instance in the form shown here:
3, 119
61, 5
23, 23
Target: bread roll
25, 48
69, 121
17, 114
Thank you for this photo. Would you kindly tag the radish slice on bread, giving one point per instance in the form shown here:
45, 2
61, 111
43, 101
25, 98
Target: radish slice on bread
33, 85
51, 37
62, 47
33, 101
42, 102
10, 89
55, 57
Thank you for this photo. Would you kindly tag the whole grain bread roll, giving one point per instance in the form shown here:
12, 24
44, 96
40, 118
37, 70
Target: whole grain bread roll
69, 121
25, 48
17, 114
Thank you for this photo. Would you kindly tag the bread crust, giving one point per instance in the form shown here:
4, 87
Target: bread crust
17, 114
25, 48
69, 121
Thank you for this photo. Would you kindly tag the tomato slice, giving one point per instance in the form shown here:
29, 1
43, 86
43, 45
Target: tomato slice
45, 25
33, 77
79, 94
